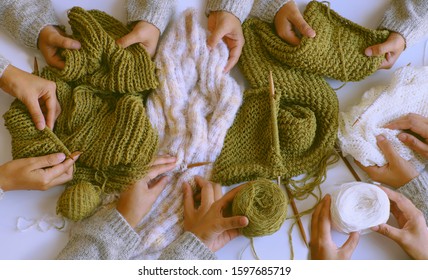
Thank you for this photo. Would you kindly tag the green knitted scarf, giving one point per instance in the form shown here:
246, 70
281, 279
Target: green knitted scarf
101, 92
294, 132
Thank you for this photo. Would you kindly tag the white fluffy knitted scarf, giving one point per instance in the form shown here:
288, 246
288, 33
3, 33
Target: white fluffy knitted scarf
407, 93
192, 110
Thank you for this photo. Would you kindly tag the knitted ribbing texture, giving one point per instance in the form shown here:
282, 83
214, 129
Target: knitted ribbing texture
337, 51
192, 110
110, 128
285, 135
358, 127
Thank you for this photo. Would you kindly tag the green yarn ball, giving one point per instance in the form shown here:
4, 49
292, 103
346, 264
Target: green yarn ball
79, 201
265, 206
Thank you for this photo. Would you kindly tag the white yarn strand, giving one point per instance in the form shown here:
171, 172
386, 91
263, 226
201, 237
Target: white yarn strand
1, 193
358, 206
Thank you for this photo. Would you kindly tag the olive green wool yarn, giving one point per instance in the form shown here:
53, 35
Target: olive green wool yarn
265, 206
100, 119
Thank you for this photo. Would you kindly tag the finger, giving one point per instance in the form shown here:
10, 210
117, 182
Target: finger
215, 37
55, 61
304, 28
218, 192
229, 196
164, 159
36, 114
315, 220
159, 186
207, 191
189, 203
324, 225
379, 49
414, 122
62, 179
388, 231
387, 149
235, 222
414, 143
389, 61
402, 203
287, 33
158, 170
127, 40
66, 43
47, 161
58, 169
52, 109
351, 243
234, 54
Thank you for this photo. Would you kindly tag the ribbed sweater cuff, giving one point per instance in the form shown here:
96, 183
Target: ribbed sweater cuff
240, 9
123, 230
157, 13
187, 247
417, 191
4, 63
267, 10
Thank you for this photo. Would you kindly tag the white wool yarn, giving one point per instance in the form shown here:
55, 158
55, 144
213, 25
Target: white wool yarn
357, 206
192, 110
407, 93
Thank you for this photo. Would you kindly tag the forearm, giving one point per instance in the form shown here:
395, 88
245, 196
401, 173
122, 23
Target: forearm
4, 63
104, 236
239, 8
155, 12
409, 18
187, 247
267, 9
417, 191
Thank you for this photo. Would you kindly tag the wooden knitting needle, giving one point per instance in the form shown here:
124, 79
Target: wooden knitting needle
297, 214
348, 165
198, 164
36, 67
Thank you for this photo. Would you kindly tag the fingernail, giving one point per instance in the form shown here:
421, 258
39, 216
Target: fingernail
402, 137
375, 228
368, 52
380, 138
243, 221
61, 157
76, 45
40, 125
312, 34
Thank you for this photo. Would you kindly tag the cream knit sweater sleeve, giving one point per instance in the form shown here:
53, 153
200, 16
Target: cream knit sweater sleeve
417, 191
239, 8
155, 12
407, 17
24, 19
267, 9
4, 63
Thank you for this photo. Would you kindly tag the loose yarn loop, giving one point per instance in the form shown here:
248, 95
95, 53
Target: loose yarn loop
357, 206
358, 127
103, 114
265, 206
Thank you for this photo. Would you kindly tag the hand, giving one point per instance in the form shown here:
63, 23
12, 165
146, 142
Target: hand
39, 95
208, 221
37, 173
412, 234
137, 201
289, 18
391, 49
396, 173
51, 40
144, 33
321, 245
416, 124
226, 26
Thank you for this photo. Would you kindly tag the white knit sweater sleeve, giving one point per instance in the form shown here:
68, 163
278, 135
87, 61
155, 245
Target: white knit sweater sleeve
266, 9
24, 19
4, 63
239, 8
407, 17
417, 191
155, 12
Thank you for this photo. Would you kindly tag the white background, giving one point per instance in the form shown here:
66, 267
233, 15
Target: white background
34, 244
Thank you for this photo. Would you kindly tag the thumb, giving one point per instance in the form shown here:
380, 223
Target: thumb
388, 231
379, 49
352, 242
127, 40
215, 37
234, 223
36, 114
386, 148
66, 43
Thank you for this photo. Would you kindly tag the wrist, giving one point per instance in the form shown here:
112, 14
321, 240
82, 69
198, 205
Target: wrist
7, 80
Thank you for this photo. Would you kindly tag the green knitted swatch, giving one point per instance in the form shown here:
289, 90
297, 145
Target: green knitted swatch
99, 116
337, 51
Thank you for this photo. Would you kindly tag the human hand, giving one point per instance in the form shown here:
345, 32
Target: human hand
396, 173
37, 94
37, 173
210, 222
51, 40
226, 26
321, 245
137, 201
144, 33
416, 124
287, 20
412, 234
391, 49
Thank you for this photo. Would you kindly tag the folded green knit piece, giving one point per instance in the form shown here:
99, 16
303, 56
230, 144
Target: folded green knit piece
290, 134
101, 62
337, 51
111, 129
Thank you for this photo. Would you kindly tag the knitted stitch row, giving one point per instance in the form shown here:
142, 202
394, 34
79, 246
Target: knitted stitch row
110, 128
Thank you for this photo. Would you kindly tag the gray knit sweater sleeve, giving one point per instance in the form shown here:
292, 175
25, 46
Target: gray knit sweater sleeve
407, 17
24, 19
239, 8
187, 247
155, 12
104, 236
4, 63
417, 191
266, 9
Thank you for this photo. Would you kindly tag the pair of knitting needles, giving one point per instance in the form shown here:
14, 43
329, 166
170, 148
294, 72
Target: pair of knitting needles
290, 196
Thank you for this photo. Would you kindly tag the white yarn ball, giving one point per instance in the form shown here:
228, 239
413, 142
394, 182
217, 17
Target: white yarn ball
358, 206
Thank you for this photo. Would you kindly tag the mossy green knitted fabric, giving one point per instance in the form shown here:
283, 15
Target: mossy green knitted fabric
337, 51
99, 117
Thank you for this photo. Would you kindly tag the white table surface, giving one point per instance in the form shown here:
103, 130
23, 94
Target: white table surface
34, 244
